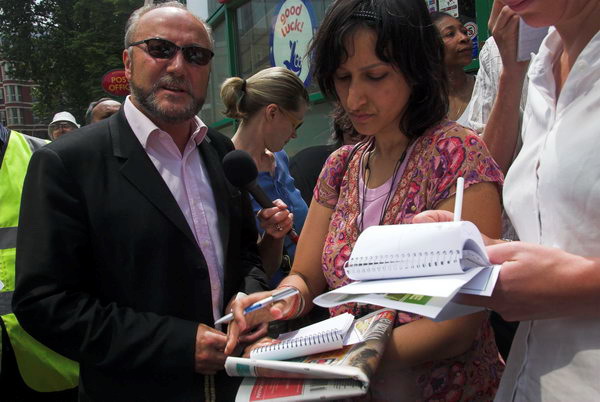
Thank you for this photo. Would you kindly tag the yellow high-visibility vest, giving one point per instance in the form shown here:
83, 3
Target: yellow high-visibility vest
42, 369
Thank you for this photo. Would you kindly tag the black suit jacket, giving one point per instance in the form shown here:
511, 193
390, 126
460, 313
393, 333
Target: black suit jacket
108, 271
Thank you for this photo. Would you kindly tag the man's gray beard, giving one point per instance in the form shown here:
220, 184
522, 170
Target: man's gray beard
171, 114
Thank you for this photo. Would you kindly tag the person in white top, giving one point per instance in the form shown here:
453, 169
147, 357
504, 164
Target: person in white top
552, 278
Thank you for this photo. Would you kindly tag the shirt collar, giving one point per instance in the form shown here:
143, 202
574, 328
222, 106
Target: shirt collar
585, 70
143, 127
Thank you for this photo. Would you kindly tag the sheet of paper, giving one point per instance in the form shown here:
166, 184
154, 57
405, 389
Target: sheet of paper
340, 323
439, 286
530, 39
436, 308
483, 283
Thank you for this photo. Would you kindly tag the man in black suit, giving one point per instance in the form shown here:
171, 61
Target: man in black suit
131, 240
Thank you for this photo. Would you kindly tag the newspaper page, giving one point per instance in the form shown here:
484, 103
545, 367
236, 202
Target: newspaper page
295, 389
337, 374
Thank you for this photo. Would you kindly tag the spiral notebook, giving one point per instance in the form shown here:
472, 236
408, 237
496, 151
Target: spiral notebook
427, 249
321, 337
417, 268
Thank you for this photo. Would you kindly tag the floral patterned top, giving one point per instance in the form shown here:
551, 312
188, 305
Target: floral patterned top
441, 155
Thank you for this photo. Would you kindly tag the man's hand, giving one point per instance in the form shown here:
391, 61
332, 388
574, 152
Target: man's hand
209, 355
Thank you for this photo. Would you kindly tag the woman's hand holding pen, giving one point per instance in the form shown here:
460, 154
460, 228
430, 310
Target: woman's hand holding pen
251, 334
242, 321
437, 215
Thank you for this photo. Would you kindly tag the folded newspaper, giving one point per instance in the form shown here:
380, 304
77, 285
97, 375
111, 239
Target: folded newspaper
341, 373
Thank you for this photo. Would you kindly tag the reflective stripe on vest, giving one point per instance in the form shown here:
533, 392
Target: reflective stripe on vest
8, 238
5, 301
42, 369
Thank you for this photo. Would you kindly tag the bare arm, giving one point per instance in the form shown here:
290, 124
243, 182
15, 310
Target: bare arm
307, 263
276, 222
271, 251
310, 281
424, 340
502, 129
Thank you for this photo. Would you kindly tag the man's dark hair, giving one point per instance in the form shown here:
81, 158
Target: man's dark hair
406, 38
90, 109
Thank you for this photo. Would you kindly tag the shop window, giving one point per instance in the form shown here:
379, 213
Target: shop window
254, 22
315, 130
253, 27
211, 112
213, 6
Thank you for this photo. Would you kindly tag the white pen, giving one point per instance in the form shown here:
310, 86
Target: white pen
284, 294
460, 188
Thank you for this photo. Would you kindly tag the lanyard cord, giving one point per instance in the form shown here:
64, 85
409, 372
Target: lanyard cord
367, 176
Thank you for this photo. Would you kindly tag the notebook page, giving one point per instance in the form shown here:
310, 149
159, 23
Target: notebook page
402, 251
340, 323
316, 338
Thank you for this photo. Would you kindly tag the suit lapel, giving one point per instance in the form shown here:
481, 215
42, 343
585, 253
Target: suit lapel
221, 188
137, 167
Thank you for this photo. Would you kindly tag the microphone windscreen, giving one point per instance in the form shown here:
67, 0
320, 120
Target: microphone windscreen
239, 168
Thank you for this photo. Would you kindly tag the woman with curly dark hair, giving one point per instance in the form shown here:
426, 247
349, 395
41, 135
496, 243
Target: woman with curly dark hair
383, 61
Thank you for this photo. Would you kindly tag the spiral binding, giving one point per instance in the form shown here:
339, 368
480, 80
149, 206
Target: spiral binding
321, 337
405, 260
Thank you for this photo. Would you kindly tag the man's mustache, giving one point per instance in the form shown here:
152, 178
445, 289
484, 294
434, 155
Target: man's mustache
173, 82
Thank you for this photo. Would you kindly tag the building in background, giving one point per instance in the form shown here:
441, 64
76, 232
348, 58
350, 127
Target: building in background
16, 103
251, 35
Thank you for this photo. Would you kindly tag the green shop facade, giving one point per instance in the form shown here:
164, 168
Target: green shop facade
251, 35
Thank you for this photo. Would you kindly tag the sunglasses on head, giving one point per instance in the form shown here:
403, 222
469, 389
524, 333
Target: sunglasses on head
160, 48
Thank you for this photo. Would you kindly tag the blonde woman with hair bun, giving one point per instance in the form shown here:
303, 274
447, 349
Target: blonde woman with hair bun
270, 107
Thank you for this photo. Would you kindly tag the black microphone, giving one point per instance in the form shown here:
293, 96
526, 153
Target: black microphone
241, 171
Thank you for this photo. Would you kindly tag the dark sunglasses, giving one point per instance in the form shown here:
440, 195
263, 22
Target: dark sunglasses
160, 48
63, 125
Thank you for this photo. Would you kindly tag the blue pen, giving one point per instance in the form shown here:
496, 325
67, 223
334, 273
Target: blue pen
284, 294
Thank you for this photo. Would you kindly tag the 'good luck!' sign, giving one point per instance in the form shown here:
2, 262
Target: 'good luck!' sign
293, 27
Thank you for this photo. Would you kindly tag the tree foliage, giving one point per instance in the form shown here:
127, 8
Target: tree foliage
65, 47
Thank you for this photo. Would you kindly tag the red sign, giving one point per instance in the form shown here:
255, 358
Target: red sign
115, 83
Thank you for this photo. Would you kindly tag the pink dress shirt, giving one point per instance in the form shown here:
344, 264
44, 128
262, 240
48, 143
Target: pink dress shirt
185, 175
